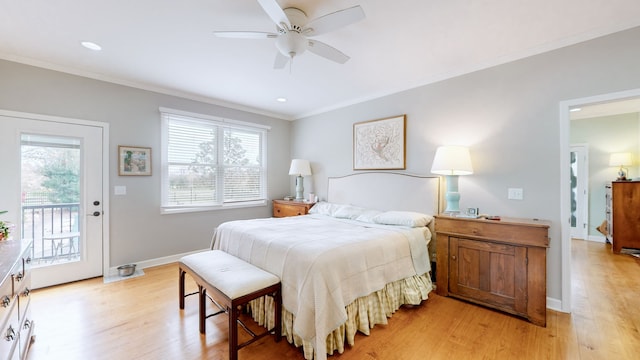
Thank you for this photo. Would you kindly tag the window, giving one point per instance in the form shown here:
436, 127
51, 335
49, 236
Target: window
210, 163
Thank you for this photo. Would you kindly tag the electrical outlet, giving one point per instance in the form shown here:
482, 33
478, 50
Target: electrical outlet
515, 194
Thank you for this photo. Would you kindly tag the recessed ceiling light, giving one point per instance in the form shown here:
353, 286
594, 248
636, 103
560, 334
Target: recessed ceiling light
91, 45
281, 99
575, 109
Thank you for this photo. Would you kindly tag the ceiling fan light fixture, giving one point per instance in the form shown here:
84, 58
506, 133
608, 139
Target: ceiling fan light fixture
292, 44
293, 29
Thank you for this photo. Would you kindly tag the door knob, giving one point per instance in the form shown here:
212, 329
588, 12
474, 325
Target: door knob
96, 213
96, 203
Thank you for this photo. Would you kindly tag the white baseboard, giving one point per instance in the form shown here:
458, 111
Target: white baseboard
113, 271
597, 238
554, 304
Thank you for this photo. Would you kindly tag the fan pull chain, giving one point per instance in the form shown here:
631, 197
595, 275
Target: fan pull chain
291, 55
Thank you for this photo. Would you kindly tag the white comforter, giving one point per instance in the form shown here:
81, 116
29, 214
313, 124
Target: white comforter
325, 263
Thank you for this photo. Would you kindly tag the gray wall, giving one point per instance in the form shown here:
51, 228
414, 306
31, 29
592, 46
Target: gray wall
138, 231
606, 135
508, 115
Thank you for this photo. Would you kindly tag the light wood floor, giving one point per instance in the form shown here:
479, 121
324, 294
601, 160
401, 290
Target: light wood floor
138, 318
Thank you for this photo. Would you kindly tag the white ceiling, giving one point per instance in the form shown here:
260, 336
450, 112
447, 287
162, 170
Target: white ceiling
626, 106
168, 45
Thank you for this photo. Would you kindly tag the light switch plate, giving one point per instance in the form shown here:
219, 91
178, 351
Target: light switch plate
120, 190
515, 194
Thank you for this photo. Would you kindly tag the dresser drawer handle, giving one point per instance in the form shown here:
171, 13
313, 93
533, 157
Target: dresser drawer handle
26, 292
27, 324
19, 277
453, 257
6, 301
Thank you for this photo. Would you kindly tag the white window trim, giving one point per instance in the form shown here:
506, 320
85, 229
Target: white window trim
227, 122
164, 209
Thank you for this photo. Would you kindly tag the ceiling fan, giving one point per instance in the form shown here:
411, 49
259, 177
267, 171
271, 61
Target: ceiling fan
294, 31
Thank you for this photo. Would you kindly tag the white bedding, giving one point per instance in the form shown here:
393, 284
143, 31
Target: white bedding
325, 263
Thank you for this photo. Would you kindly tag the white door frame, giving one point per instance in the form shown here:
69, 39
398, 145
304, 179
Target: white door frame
105, 169
582, 194
565, 196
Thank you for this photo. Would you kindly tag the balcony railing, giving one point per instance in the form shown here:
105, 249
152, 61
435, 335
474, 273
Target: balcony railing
54, 230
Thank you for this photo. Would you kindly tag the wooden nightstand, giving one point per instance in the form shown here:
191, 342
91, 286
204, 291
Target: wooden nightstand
501, 264
283, 208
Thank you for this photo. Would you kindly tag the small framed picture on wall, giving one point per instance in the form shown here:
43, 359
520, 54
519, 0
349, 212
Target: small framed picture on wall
134, 161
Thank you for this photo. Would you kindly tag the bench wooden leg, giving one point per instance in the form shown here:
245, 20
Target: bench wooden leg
233, 332
278, 314
181, 275
202, 296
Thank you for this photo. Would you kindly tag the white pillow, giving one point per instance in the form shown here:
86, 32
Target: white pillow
348, 212
403, 218
368, 216
324, 208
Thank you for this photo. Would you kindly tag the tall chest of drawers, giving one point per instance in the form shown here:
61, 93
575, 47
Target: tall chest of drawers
16, 323
623, 214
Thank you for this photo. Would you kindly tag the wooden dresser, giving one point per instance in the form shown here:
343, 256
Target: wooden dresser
16, 324
623, 214
501, 264
283, 208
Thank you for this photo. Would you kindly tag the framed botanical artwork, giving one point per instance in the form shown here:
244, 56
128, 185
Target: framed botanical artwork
379, 144
134, 161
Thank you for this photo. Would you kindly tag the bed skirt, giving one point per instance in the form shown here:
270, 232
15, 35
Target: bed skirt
362, 314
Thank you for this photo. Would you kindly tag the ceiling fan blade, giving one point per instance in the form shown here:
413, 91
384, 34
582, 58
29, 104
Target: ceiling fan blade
275, 12
245, 34
335, 20
281, 61
326, 51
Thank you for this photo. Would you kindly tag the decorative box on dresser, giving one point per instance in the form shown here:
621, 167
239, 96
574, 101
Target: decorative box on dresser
623, 215
16, 324
501, 264
284, 208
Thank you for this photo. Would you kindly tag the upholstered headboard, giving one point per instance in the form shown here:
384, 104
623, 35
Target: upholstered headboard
389, 191
386, 191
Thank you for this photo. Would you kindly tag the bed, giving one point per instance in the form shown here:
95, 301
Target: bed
349, 264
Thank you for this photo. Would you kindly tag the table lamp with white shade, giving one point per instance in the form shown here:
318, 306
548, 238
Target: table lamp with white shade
300, 168
621, 160
452, 161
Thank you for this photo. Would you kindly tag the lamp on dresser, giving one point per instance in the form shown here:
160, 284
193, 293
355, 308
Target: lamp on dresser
452, 161
621, 160
300, 168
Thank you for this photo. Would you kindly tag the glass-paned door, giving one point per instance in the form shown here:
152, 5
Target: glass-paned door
579, 194
50, 197
56, 200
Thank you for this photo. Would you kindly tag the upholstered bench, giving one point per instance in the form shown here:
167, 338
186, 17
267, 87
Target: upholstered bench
230, 283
